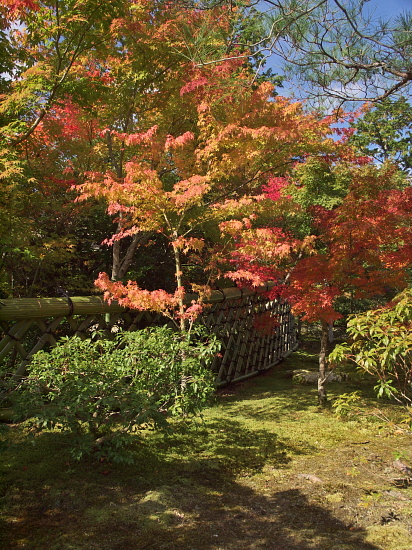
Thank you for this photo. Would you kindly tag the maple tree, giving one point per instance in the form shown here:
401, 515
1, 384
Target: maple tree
178, 184
81, 74
41, 42
359, 248
44, 50
85, 77
71, 70
111, 102
51, 241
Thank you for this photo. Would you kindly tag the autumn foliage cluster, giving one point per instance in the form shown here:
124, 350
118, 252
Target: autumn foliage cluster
115, 145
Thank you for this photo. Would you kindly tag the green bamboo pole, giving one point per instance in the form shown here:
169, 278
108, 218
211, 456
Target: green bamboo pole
28, 308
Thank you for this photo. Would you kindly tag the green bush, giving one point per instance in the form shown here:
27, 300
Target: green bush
99, 391
381, 345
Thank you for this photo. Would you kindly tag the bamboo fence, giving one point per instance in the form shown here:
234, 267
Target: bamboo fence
31, 324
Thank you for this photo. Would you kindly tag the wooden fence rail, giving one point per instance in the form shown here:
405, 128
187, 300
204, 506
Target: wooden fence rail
31, 324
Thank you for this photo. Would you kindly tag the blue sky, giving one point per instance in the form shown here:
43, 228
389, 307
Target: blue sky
385, 9
390, 8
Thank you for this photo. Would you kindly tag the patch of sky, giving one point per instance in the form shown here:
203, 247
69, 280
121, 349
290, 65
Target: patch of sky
375, 9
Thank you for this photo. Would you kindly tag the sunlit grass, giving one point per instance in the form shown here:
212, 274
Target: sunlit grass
255, 435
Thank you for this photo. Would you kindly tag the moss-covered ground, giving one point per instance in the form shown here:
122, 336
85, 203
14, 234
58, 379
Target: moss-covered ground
266, 469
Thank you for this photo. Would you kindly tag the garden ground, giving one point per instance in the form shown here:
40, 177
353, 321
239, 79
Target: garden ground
266, 469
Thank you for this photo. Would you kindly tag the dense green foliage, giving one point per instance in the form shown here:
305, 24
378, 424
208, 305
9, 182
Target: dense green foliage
384, 132
381, 345
98, 391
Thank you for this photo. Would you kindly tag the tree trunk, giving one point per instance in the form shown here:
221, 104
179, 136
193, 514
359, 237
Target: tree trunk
299, 327
322, 365
115, 261
121, 265
178, 268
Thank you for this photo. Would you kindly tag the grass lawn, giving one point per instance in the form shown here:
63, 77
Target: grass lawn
266, 469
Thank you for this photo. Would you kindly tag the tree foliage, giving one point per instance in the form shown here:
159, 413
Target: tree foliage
336, 50
157, 116
384, 132
359, 248
342, 50
75, 73
179, 183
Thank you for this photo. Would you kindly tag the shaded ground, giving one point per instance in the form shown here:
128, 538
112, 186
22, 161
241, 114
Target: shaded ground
266, 470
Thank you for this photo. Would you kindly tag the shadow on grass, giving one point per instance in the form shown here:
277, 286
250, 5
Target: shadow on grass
230, 447
222, 445
183, 493
239, 519
174, 508
186, 491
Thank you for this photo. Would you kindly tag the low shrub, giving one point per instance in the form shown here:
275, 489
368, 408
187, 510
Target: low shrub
100, 391
381, 345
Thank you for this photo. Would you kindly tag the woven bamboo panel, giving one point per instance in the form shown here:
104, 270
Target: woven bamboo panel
247, 350
29, 325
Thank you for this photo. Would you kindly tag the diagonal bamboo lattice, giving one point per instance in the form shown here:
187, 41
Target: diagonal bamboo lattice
32, 324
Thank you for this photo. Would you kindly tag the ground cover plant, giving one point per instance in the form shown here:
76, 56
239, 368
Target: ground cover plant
266, 468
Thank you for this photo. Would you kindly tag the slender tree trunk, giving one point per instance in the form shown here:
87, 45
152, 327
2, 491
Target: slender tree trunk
299, 327
121, 265
322, 364
179, 281
115, 261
